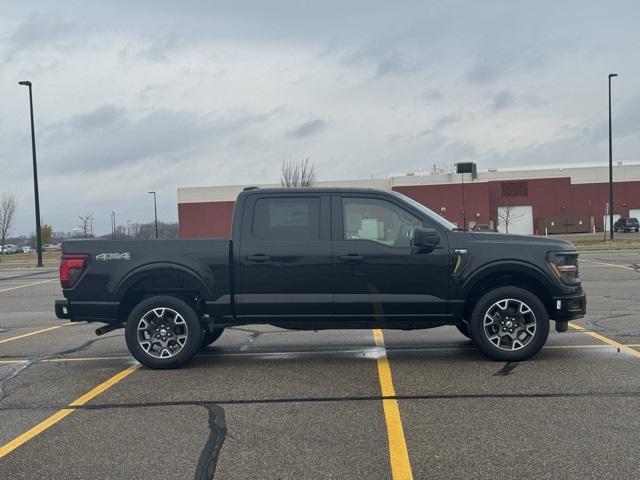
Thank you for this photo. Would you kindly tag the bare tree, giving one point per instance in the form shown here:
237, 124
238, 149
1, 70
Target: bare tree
7, 215
509, 214
85, 223
298, 173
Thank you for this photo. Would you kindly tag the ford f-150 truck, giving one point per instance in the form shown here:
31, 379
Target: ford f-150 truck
318, 258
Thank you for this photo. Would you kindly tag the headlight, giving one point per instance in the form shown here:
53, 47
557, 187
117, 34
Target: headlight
565, 266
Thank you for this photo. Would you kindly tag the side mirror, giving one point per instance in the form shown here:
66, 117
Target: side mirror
425, 239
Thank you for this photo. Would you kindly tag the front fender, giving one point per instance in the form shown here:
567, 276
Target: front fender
504, 266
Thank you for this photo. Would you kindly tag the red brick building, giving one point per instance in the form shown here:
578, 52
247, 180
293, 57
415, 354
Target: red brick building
558, 200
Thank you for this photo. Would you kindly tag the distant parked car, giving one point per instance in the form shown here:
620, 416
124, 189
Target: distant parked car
626, 225
9, 249
27, 249
482, 227
50, 247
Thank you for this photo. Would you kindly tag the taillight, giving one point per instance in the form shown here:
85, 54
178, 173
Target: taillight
71, 267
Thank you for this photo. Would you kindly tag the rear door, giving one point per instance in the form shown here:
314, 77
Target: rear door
285, 257
378, 278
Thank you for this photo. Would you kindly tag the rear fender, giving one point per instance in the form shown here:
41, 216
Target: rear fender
191, 278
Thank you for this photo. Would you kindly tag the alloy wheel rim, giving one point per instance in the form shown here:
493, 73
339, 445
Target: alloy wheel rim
162, 332
509, 324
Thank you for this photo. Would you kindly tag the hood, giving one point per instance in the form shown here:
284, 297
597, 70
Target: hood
503, 238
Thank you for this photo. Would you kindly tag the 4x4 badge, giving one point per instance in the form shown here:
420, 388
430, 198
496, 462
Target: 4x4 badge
105, 257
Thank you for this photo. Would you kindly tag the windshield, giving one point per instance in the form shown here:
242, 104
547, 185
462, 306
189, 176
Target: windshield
443, 222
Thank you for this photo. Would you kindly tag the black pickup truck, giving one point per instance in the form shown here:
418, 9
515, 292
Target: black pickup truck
311, 259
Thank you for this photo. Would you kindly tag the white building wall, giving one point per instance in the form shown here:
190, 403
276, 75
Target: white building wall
578, 174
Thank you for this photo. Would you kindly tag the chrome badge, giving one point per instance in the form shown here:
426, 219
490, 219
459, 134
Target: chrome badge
106, 257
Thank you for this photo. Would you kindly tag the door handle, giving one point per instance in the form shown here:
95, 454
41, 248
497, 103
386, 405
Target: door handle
258, 257
352, 258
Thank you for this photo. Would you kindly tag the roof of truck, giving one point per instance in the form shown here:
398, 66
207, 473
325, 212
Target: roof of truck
250, 190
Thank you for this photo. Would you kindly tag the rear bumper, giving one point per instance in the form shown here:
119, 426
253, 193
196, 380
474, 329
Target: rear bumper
63, 310
569, 307
106, 312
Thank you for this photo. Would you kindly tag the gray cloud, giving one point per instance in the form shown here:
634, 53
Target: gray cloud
430, 95
157, 95
109, 136
307, 129
502, 100
483, 72
44, 31
103, 117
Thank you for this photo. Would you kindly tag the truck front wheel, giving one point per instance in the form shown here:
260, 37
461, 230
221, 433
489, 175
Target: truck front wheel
509, 324
163, 332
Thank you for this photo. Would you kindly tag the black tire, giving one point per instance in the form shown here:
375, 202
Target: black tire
209, 337
537, 313
190, 331
463, 328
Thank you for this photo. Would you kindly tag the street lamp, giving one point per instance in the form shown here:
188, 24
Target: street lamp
113, 225
611, 75
35, 176
155, 211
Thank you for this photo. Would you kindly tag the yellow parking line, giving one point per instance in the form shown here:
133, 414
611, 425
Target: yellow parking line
59, 415
36, 332
27, 285
398, 454
608, 340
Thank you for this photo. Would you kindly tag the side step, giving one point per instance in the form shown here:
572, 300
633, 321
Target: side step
108, 328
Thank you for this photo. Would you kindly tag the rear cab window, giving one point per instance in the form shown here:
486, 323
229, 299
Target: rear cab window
286, 219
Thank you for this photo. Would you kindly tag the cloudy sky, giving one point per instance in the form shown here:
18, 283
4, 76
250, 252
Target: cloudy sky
153, 95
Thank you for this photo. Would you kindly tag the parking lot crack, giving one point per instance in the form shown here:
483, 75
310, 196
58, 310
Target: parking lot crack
34, 360
208, 460
13, 374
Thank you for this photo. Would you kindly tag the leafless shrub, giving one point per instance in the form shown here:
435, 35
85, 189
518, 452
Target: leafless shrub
509, 214
298, 173
85, 225
7, 215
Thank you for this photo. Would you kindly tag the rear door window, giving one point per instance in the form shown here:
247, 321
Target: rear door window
287, 219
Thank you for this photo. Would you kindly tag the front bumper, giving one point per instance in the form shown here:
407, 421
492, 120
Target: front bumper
569, 307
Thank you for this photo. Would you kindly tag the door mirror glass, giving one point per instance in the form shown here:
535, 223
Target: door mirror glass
425, 238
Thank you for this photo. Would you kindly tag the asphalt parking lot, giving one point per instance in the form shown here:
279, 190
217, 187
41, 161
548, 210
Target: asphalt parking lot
265, 403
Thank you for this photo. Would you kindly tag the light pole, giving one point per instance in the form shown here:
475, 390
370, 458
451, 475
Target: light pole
155, 211
35, 176
113, 225
611, 209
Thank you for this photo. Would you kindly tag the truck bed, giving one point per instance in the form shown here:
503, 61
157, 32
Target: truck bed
114, 267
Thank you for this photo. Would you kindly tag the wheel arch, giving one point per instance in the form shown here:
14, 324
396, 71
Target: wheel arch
161, 279
515, 274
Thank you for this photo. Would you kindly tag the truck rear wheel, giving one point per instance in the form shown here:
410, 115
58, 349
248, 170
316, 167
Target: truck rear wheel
509, 324
163, 332
209, 337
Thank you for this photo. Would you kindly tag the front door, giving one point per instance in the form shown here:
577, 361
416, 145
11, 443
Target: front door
377, 276
285, 269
